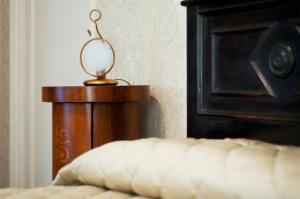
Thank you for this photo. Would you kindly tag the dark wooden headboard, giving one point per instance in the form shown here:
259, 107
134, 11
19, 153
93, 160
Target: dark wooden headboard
244, 69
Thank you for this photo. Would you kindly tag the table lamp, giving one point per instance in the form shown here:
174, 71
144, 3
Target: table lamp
97, 56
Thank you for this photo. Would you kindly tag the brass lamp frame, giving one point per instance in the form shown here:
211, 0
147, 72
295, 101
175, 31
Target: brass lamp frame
101, 76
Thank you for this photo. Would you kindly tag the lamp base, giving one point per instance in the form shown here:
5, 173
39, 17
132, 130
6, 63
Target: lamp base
100, 82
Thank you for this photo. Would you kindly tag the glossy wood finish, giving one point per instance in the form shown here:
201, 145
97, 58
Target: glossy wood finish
119, 121
71, 123
95, 93
87, 117
232, 90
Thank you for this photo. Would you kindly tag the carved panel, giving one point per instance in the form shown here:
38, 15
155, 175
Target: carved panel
62, 141
249, 65
219, 30
232, 46
275, 60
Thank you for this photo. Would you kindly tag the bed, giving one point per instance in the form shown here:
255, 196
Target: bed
177, 169
243, 105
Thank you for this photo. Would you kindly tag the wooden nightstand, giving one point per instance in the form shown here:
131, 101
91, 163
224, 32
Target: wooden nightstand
87, 117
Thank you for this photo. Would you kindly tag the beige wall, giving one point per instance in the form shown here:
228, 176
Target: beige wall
149, 37
4, 90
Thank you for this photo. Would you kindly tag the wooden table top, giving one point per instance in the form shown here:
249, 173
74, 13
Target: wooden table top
96, 93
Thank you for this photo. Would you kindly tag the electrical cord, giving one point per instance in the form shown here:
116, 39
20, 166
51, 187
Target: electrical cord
123, 80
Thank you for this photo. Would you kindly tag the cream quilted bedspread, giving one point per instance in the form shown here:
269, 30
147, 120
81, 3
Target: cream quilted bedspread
188, 169
66, 192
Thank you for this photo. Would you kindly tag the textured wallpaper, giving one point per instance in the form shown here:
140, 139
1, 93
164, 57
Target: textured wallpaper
4, 90
149, 37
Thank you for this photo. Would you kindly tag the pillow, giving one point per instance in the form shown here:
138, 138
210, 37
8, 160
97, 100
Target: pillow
190, 169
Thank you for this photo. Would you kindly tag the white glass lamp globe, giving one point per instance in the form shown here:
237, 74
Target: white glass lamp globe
97, 57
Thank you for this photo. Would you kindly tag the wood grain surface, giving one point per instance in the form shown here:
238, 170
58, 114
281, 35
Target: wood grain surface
71, 132
115, 121
88, 117
95, 93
